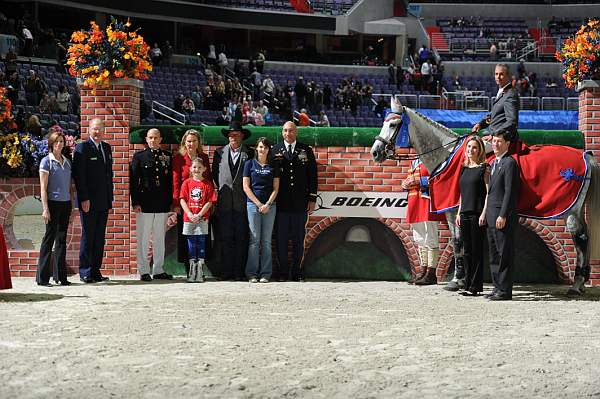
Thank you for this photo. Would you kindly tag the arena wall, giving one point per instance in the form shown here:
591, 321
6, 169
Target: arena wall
341, 168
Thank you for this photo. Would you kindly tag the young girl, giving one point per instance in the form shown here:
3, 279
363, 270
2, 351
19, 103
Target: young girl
196, 198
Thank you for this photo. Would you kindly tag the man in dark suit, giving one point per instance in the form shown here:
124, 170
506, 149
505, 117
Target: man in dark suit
501, 217
151, 190
297, 197
228, 173
92, 171
504, 116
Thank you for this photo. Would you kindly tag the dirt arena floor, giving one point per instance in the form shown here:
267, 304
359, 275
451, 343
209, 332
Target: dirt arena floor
127, 339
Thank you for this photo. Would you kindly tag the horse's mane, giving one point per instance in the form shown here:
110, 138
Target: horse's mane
432, 123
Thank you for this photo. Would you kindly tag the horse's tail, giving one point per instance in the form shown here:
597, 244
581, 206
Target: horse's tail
593, 210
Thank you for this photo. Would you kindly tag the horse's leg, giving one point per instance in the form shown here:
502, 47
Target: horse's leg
578, 229
458, 280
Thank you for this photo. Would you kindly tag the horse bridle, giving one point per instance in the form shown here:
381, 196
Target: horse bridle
390, 148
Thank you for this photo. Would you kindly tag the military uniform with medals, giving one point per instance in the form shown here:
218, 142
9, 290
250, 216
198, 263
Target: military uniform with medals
151, 188
297, 187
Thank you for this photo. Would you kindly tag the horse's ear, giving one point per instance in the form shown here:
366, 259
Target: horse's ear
395, 104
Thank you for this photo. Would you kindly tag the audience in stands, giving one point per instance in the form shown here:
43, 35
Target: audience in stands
63, 99
188, 106
323, 120
156, 54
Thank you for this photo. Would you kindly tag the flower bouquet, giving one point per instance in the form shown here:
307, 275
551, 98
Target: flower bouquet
20, 155
580, 55
96, 56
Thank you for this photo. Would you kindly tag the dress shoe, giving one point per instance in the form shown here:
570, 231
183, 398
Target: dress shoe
491, 294
100, 279
44, 284
163, 276
469, 293
146, 277
65, 282
455, 285
500, 297
87, 280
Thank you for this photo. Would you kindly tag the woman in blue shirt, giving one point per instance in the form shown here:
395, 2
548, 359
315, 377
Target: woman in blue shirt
55, 189
261, 185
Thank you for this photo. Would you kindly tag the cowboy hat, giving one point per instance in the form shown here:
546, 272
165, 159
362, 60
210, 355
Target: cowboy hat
236, 126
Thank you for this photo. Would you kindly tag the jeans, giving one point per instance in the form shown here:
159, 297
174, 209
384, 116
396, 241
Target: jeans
261, 232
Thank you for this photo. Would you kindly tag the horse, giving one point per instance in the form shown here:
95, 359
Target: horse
434, 144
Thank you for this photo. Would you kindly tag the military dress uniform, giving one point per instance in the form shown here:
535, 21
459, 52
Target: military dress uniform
151, 187
297, 187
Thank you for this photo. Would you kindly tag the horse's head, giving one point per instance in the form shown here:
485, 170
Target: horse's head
384, 144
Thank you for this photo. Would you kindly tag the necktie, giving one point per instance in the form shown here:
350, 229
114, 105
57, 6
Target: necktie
101, 152
494, 164
289, 150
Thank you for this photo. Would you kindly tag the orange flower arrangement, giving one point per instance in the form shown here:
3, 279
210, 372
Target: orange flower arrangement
580, 54
97, 56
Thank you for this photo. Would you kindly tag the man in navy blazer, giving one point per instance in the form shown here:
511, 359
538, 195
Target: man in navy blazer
92, 171
501, 217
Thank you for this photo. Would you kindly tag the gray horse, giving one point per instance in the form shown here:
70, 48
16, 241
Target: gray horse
435, 142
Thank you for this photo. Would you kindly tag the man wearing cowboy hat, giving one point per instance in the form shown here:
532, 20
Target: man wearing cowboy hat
227, 170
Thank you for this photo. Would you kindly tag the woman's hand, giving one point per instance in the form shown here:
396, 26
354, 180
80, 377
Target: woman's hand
46, 215
264, 208
482, 219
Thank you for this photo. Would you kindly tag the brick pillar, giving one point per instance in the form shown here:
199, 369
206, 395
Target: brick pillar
589, 124
119, 106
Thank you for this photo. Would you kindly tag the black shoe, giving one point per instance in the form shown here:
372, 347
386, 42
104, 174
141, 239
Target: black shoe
163, 276
469, 293
87, 280
45, 284
100, 279
65, 282
146, 277
499, 297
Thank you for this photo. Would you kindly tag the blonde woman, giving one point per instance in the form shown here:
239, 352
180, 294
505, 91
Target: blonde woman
189, 149
474, 182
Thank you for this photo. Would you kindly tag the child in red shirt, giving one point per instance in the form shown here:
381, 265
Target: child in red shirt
196, 198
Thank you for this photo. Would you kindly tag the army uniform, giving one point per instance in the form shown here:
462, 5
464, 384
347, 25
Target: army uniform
297, 187
151, 188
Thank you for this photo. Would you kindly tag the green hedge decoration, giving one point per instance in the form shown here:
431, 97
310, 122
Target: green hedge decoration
336, 136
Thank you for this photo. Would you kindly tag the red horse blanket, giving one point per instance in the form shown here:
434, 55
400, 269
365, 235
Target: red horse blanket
552, 178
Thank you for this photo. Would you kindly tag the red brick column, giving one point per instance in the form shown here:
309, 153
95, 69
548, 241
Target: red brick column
589, 124
119, 106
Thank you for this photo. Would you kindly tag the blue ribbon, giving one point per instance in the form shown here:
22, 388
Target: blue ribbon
569, 174
403, 138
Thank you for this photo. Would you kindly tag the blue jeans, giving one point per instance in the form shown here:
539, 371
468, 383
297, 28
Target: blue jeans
261, 231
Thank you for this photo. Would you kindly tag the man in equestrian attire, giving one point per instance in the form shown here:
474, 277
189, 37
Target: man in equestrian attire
151, 187
423, 222
504, 116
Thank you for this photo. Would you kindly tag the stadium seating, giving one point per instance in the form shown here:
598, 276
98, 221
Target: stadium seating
332, 7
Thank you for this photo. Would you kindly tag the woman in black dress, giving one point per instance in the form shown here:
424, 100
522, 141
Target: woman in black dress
474, 181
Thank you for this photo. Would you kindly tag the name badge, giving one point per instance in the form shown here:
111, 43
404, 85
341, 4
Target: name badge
94, 159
